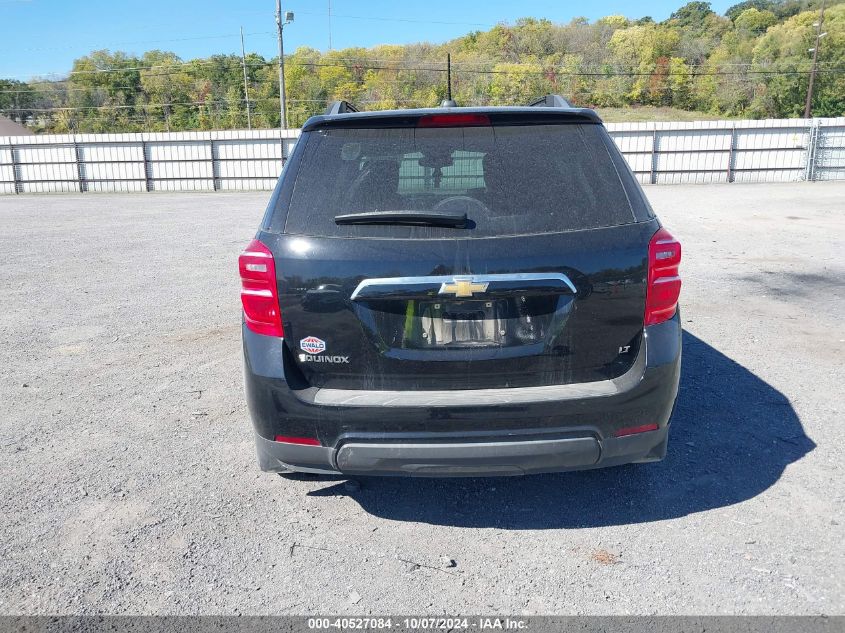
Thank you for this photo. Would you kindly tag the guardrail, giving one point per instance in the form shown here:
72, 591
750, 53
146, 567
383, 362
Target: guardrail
782, 150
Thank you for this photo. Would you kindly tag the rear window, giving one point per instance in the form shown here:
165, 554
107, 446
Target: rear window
510, 180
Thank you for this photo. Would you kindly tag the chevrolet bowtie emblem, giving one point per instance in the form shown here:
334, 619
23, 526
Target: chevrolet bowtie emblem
462, 287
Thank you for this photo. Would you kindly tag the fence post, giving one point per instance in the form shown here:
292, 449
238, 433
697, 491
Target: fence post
732, 154
812, 149
653, 173
16, 175
215, 167
77, 152
148, 183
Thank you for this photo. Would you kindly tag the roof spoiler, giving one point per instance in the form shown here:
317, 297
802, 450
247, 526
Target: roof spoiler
550, 101
340, 107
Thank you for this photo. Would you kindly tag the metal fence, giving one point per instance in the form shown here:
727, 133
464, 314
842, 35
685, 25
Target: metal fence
775, 150
783, 150
175, 161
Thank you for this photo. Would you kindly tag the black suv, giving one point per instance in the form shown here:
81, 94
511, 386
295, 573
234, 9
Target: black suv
459, 291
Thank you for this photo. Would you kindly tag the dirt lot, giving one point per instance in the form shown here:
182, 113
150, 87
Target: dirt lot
129, 483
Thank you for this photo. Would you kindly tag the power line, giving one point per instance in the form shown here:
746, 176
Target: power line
134, 43
141, 106
189, 64
218, 102
382, 64
518, 71
406, 20
557, 72
380, 18
391, 66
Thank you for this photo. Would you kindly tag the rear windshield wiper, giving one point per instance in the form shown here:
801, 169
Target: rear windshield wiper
413, 218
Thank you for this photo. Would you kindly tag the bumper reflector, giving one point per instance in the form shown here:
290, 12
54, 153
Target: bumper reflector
307, 441
633, 430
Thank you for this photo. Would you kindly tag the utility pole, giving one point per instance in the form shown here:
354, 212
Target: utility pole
330, 24
808, 105
246, 84
288, 18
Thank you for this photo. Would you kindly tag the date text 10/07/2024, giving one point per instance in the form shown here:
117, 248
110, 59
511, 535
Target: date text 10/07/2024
423, 623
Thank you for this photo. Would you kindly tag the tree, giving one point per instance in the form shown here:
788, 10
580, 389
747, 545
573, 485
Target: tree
643, 53
614, 21
755, 21
752, 63
18, 100
761, 5
724, 86
168, 88
691, 14
103, 92
305, 87
514, 83
784, 48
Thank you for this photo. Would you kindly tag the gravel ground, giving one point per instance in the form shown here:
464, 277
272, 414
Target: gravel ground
129, 483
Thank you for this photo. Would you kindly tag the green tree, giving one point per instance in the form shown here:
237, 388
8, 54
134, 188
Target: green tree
103, 89
784, 48
761, 5
18, 100
168, 89
754, 62
643, 52
513, 84
755, 21
691, 14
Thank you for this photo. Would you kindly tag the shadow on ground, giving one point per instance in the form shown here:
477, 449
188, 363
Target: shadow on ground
732, 436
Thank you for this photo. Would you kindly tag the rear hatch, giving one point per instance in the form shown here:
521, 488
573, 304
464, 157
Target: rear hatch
458, 253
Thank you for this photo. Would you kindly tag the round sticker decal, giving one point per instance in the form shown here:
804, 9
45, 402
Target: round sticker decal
312, 345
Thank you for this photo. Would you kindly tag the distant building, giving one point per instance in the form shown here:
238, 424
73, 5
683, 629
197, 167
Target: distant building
10, 128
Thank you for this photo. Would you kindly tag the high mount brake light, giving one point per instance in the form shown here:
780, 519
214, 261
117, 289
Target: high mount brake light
664, 284
259, 293
453, 120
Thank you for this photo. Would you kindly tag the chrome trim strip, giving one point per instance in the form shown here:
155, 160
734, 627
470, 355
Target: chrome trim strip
463, 397
481, 397
450, 279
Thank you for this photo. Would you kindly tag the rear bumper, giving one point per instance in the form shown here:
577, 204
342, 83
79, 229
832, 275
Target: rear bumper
464, 433
462, 459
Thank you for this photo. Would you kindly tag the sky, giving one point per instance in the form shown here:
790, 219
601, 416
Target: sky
41, 38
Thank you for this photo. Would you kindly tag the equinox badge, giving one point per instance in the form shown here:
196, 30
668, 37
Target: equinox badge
462, 287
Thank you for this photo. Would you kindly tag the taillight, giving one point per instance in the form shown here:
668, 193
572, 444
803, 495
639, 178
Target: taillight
664, 284
259, 294
453, 120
